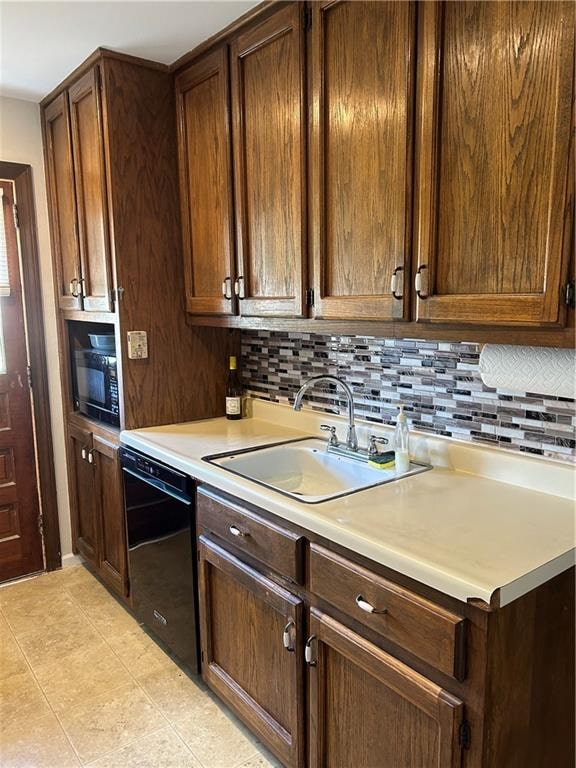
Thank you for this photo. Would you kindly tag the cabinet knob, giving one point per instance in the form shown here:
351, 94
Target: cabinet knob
398, 294
72, 287
237, 532
308, 653
364, 605
286, 636
418, 282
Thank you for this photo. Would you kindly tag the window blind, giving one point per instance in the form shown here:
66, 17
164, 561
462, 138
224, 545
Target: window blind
4, 276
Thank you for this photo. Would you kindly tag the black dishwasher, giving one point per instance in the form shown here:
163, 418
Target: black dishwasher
159, 508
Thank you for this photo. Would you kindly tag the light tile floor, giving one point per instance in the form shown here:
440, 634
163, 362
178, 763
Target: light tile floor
81, 683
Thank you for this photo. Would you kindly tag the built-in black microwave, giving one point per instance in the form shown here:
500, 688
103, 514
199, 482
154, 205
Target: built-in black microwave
95, 384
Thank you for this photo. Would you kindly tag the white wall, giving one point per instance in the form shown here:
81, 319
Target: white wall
21, 142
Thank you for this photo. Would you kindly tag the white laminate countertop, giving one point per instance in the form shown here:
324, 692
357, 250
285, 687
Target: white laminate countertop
482, 520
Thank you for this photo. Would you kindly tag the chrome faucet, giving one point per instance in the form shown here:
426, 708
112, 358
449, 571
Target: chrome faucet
351, 440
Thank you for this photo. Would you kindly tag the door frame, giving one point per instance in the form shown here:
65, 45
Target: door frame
21, 176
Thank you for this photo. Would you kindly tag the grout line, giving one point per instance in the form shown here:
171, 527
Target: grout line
188, 747
49, 704
127, 744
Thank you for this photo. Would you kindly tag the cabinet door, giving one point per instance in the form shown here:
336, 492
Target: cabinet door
81, 478
368, 709
109, 500
269, 164
494, 188
62, 202
362, 57
87, 143
244, 618
202, 95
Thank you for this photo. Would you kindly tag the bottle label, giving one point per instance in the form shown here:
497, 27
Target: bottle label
233, 406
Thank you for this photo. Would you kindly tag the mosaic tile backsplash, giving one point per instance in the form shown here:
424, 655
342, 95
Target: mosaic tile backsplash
438, 383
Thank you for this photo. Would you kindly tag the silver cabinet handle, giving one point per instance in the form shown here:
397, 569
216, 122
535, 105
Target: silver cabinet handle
394, 284
84, 453
227, 287
237, 532
239, 288
82, 287
418, 282
72, 287
286, 636
308, 654
365, 606
91, 456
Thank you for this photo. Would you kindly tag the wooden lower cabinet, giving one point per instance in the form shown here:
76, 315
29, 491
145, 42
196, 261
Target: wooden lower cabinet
96, 500
368, 709
252, 644
84, 528
112, 547
396, 675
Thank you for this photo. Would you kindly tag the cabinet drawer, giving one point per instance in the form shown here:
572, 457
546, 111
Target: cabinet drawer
424, 629
272, 545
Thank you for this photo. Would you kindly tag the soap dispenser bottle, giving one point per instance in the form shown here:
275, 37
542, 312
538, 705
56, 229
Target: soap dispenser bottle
401, 449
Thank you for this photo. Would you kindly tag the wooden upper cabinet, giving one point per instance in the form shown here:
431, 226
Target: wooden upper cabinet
202, 96
393, 716
60, 179
269, 164
362, 60
90, 177
493, 183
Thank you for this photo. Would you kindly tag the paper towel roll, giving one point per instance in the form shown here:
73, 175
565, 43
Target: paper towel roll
541, 370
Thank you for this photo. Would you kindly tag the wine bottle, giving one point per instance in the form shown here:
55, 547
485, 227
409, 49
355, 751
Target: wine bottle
233, 392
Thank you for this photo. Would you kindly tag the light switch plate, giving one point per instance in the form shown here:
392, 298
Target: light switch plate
137, 345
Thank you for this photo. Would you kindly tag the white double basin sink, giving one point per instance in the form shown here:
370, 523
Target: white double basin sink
306, 470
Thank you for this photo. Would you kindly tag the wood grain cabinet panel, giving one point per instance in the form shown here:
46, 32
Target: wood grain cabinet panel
62, 197
97, 505
108, 496
362, 60
368, 709
273, 546
244, 620
90, 177
81, 480
493, 179
423, 628
202, 96
269, 164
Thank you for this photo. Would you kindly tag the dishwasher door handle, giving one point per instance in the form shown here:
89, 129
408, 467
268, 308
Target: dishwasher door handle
159, 485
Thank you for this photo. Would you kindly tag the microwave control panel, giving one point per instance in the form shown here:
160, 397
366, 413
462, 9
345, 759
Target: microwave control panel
137, 345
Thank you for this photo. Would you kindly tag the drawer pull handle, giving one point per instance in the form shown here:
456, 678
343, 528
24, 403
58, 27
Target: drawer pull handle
308, 653
418, 282
286, 636
365, 606
237, 532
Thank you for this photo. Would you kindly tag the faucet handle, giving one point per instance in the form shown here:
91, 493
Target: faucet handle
333, 440
374, 440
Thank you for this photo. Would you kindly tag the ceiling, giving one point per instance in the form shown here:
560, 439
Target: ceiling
42, 42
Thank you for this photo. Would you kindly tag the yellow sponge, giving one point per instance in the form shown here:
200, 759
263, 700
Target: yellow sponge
382, 460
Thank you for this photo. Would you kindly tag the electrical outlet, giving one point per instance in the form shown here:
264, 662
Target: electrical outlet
137, 345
